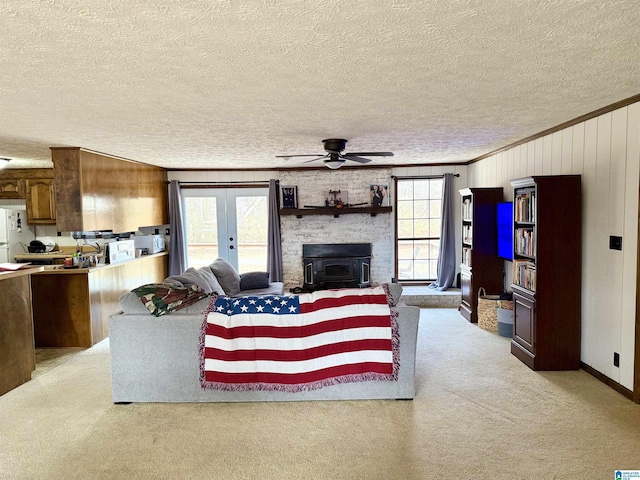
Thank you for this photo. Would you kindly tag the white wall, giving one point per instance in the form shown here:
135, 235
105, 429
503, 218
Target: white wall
606, 152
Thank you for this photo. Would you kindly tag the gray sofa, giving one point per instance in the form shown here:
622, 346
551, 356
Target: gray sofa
156, 359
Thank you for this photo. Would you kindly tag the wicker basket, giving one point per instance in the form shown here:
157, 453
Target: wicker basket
487, 310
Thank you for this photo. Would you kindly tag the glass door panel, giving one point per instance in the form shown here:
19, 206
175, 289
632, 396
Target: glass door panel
249, 230
229, 223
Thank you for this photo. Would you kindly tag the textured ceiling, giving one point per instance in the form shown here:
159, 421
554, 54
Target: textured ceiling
231, 84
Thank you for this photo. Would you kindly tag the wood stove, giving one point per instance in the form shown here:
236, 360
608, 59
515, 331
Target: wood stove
336, 265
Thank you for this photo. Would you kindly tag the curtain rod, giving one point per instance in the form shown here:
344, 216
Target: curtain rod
222, 183
423, 177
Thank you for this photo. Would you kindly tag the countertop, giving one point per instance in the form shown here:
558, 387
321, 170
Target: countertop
60, 270
58, 254
20, 272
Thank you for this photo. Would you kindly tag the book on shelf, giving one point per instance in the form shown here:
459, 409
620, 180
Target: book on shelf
466, 256
467, 209
525, 241
467, 235
524, 274
525, 207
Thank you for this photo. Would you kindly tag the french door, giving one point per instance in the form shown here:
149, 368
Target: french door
230, 223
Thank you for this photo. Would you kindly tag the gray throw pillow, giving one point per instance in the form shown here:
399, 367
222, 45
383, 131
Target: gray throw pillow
254, 280
190, 277
211, 280
227, 276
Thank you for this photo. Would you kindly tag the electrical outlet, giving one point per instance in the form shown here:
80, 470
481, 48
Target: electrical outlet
616, 359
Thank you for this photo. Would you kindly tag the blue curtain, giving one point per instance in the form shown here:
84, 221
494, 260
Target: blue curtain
447, 255
178, 238
274, 244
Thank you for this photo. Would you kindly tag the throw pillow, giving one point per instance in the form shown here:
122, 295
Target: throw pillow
190, 277
227, 276
160, 298
211, 279
254, 280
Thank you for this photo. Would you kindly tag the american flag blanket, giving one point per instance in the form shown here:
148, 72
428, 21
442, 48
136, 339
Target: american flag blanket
299, 342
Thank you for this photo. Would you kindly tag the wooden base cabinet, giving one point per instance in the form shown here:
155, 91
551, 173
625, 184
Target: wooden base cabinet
468, 304
17, 353
71, 308
523, 344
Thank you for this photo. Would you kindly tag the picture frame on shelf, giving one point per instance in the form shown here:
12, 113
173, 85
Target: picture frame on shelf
336, 198
379, 194
288, 196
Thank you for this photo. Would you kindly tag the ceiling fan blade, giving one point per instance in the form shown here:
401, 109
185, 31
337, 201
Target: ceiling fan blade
371, 154
314, 159
354, 158
300, 155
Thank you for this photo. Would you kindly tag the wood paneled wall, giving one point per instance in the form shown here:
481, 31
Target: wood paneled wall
606, 151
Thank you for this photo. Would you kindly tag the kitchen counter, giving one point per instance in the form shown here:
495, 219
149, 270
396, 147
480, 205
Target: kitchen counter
61, 270
20, 273
55, 257
71, 306
27, 257
17, 353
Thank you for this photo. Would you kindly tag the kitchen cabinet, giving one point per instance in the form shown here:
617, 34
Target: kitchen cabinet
99, 192
17, 352
71, 307
41, 201
36, 186
12, 188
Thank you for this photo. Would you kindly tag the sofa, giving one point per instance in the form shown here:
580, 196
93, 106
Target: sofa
156, 359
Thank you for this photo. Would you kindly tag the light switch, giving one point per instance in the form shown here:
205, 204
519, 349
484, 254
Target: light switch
615, 243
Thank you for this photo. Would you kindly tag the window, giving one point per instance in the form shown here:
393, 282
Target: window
418, 220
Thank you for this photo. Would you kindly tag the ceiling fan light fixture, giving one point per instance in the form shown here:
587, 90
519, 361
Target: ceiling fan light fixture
334, 161
4, 162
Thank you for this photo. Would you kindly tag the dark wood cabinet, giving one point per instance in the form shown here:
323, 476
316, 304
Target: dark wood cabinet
480, 267
547, 271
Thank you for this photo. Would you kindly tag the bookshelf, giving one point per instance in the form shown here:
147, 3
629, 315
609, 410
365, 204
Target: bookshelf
547, 262
480, 265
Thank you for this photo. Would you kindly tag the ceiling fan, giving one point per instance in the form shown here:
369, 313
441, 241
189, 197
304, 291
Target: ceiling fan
334, 158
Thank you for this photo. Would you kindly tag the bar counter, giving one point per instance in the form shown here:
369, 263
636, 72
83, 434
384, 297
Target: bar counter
17, 352
71, 306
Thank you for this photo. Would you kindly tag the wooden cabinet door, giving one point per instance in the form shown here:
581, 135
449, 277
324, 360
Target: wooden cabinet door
524, 322
41, 206
12, 188
467, 305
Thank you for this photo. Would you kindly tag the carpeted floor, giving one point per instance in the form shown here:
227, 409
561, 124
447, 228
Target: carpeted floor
479, 413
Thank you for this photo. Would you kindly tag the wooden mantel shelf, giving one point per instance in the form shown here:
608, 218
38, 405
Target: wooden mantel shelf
336, 212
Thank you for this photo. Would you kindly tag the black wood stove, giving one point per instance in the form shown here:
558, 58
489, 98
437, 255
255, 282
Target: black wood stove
336, 265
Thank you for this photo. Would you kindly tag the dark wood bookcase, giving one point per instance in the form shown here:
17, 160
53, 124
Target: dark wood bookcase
480, 266
547, 269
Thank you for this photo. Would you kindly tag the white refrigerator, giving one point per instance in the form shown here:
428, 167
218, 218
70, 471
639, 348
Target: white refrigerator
15, 234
